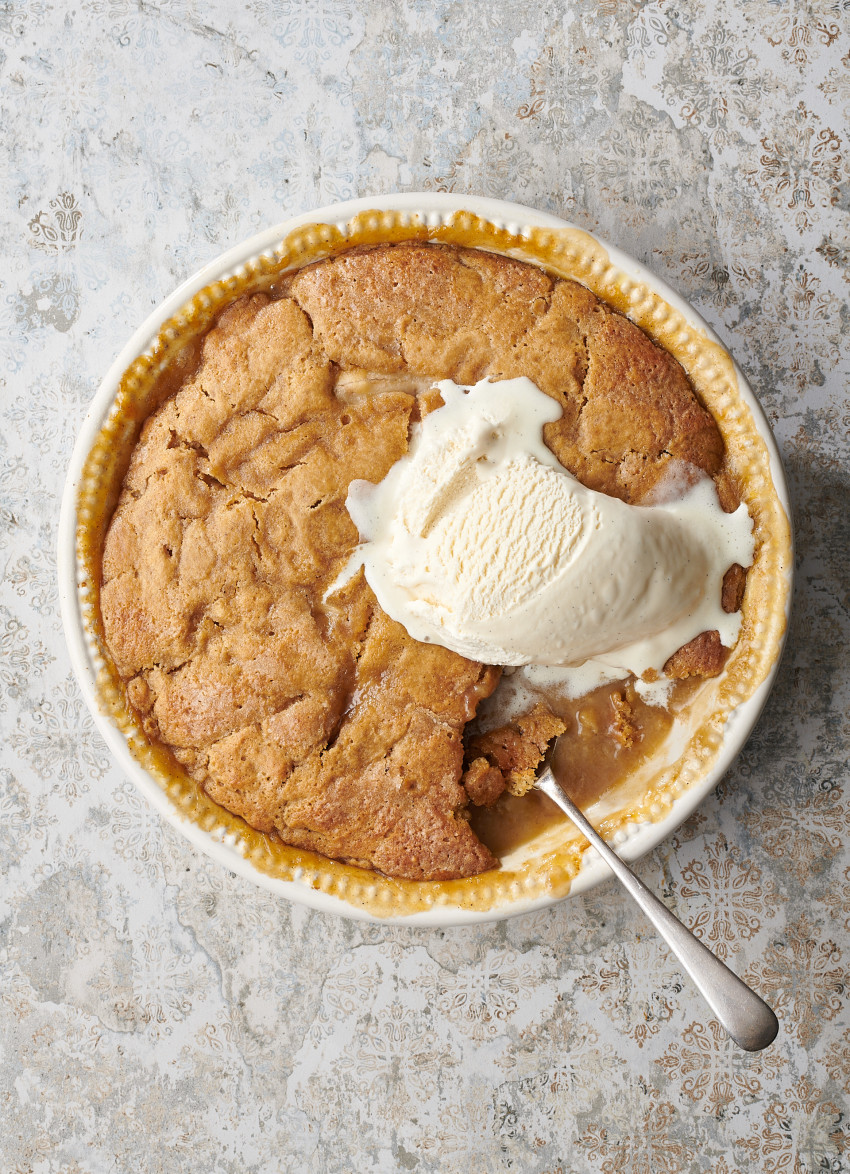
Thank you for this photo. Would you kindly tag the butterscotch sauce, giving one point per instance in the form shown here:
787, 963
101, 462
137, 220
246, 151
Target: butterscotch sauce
514, 820
611, 733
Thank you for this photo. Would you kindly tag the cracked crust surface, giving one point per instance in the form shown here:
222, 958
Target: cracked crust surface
323, 722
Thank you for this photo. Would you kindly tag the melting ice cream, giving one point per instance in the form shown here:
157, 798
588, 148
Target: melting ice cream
478, 539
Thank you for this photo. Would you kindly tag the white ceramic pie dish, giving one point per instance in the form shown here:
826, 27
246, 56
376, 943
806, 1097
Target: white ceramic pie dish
632, 841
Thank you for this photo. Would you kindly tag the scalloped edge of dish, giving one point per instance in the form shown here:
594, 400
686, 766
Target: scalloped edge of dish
632, 841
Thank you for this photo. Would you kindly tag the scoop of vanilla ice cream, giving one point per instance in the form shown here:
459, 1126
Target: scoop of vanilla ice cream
479, 540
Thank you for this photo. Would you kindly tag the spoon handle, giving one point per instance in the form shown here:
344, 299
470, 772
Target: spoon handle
746, 1017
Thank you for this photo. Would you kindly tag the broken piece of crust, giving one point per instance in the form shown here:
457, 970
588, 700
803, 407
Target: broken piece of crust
512, 751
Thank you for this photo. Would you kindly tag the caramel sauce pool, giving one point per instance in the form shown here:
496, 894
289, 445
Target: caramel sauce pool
592, 760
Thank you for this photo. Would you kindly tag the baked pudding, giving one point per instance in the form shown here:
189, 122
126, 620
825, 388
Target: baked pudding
249, 650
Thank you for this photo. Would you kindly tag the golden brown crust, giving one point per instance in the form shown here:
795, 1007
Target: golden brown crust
623, 727
322, 721
628, 407
704, 656
516, 748
732, 593
483, 782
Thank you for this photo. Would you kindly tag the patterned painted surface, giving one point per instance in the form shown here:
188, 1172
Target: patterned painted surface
158, 1014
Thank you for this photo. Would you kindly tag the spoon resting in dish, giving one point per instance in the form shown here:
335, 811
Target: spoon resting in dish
744, 1015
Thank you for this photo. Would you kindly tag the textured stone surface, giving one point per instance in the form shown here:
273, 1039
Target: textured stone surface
158, 1014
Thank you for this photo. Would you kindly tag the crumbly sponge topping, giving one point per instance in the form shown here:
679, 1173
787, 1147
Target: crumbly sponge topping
323, 722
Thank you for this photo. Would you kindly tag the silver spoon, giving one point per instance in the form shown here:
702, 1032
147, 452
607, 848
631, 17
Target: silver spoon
746, 1017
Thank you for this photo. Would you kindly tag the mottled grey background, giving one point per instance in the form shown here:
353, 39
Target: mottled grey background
158, 1014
